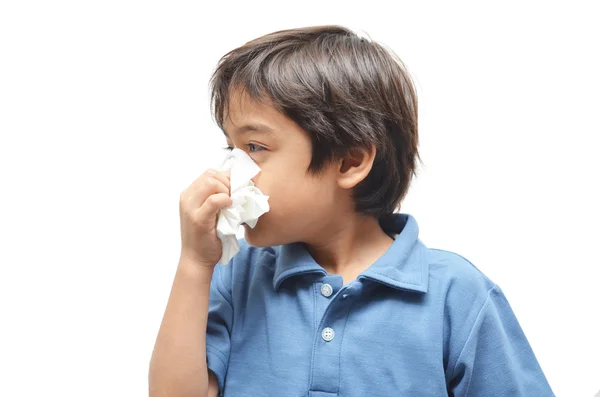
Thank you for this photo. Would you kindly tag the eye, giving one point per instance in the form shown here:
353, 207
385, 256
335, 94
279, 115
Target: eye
228, 148
254, 147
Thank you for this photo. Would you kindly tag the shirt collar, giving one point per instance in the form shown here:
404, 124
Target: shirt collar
402, 266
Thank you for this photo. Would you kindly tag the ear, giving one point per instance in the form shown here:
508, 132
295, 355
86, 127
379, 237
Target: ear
355, 167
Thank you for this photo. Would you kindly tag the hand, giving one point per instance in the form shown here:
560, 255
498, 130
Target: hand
199, 206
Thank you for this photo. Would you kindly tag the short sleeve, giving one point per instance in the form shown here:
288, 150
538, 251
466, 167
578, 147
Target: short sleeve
497, 359
218, 330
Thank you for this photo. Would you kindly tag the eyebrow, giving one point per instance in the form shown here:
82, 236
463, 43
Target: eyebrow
252, 127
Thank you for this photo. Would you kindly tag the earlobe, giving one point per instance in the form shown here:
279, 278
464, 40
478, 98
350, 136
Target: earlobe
355, 167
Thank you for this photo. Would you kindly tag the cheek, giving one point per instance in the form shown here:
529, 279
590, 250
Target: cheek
284, 178
276, 187
273, 178
295, 194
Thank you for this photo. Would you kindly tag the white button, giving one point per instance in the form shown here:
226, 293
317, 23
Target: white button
327, 334
326, 290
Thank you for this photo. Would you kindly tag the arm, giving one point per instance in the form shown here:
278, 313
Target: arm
178, 364
178, 367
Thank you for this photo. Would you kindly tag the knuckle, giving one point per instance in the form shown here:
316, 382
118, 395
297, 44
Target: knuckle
212, 184
213, 200
211, 180
183, 196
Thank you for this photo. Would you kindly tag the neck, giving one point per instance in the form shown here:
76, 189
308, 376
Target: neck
349, 247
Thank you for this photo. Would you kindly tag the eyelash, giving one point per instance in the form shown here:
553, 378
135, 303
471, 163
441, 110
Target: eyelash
260, 148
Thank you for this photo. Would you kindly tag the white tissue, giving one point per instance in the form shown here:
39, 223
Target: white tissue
248, 202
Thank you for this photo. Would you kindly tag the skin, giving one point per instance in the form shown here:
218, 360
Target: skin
317, 210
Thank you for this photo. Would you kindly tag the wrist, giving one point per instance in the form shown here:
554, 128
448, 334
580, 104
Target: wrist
198, 270
192, 257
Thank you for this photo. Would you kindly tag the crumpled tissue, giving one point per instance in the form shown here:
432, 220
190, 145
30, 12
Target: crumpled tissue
249, 203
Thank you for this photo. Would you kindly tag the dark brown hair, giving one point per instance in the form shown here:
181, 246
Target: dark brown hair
346, 91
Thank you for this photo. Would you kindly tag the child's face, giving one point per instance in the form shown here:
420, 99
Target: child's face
301, 204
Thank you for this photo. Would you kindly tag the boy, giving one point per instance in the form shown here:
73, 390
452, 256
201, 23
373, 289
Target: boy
332, 293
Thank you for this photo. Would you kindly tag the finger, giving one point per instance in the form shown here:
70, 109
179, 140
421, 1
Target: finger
214, 185
223, 176
204, 181
201, 189
213, 205
209, 187
206, 174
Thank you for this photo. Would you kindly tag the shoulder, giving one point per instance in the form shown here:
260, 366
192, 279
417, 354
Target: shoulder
462, 287
456, 275
464, 291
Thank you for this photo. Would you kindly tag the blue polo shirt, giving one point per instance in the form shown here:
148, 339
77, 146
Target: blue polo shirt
418, 322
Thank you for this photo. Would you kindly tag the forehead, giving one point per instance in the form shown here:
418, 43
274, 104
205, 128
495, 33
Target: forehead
243, 114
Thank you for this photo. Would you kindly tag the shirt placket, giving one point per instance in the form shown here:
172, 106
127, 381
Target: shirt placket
332, 305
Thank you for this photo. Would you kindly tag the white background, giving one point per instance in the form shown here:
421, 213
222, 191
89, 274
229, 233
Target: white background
104, 120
